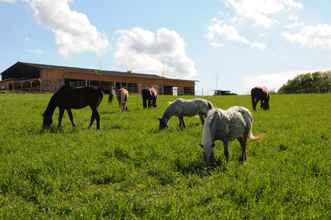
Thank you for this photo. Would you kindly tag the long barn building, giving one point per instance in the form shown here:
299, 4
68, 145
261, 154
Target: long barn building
40, 77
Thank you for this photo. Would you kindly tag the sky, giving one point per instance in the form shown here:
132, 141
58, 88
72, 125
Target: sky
223, 44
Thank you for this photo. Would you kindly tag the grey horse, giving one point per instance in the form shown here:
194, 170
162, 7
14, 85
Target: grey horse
182, 107
227, 125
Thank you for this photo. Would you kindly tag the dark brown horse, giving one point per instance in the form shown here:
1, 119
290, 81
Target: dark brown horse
67, 98
260, 94
149, 96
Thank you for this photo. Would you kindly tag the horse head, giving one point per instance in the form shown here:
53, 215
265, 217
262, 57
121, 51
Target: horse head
265, 103
208, 153
162, 124
47, 120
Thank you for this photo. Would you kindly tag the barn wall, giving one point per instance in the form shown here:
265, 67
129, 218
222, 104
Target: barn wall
52, 78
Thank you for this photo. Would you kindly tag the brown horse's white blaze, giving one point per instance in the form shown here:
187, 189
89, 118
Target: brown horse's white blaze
122, 97
234, 123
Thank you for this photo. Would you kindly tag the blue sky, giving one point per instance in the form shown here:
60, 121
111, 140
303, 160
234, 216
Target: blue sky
239, 42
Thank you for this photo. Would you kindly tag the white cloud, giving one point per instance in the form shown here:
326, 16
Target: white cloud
262, 12
295, 22
273, 81
72, 30
318, 36
157, 52
7, 1
219, 32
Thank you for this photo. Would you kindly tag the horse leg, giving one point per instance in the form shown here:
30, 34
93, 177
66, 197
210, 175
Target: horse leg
71, 117
97, 117
226, 150
144, 102
180, 122
154, 102
149, 103
60, 117
254, 103
243, 144
183, 122
202, 118
92, 119
262, 103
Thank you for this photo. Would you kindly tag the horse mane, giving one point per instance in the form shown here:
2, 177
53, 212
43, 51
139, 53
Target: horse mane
52, 102
206, 133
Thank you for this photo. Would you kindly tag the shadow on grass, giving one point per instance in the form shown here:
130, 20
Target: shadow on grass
170, 129
199, 167
56, 130
108, 112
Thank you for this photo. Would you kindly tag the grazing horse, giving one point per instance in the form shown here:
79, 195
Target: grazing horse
260, 94
236, 122
122, 97
181, 107
149, 96
67, 98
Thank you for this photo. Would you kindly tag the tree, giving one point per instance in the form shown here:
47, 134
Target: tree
317, 82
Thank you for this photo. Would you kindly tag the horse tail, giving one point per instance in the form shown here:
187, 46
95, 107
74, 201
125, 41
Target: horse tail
251, 136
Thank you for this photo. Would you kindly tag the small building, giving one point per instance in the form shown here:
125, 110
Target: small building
223, 92
31, 77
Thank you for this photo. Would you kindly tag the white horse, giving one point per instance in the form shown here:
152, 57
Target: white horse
235, 122
181, 107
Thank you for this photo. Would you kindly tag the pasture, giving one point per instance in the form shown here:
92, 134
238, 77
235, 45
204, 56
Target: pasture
128, 169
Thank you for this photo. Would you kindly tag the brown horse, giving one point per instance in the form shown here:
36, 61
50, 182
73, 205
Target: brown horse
122, 97
260, 94
149, 96
67, 98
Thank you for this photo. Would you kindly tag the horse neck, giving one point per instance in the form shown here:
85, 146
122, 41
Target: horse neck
167, 115
206, 136
152, 92
51, 107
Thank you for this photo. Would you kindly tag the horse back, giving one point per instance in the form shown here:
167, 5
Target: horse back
79, 97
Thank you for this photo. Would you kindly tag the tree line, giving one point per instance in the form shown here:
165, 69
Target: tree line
317, 82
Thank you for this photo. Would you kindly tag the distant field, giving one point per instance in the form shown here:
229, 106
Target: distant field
130, 170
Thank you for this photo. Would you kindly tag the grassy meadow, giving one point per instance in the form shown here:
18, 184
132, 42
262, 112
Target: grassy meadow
130, 170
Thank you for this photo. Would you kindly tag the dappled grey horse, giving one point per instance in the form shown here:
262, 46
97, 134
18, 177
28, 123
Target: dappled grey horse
182, 107
234, 123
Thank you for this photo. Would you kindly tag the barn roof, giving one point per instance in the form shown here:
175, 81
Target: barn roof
77, 69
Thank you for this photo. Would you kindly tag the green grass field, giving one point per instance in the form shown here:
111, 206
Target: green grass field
129, 169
